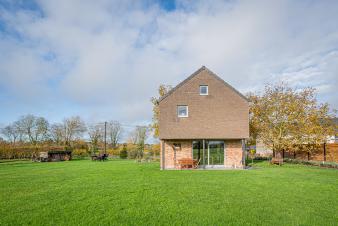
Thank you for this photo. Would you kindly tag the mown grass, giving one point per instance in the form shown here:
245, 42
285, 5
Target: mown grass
128, 193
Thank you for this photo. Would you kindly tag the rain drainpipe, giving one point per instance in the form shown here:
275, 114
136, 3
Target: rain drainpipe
163, 155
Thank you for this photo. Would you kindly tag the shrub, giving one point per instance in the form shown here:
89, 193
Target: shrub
124, 152
313, 163
155, 149
26, 151
113, 152
80, 153
132, 151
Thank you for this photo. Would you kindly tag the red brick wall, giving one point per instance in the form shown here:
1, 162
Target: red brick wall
171, 156
232, 158
233, 154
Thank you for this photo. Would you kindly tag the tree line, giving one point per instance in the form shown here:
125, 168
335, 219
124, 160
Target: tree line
33, 129
36, 131
282, 117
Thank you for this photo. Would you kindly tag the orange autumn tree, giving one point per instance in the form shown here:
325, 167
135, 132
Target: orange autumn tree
162, 91
286, 118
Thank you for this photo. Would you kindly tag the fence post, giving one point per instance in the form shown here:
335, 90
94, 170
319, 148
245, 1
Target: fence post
324, 152
105, 137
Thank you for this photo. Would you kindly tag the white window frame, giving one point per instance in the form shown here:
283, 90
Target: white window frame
204, 94
182, 116
177, 146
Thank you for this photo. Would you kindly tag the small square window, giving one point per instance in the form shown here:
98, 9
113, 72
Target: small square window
182, 111
204, 90
177, 146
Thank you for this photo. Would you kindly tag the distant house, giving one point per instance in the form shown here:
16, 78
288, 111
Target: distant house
205, 119
262, 150
334, 138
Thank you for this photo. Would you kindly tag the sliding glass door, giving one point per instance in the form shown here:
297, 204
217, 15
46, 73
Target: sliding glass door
213, 154
216, 153
197, 152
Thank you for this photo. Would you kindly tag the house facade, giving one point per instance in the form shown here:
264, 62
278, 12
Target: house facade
205, 119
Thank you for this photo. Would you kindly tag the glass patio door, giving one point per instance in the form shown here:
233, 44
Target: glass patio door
213, 154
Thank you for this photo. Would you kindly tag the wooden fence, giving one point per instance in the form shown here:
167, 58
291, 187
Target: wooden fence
326, 152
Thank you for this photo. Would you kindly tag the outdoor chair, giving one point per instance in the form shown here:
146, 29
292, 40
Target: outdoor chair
101, 157
196, 163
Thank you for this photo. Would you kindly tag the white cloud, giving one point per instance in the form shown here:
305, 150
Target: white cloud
108, 57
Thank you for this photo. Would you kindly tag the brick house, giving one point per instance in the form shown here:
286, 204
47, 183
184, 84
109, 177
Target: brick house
205, 119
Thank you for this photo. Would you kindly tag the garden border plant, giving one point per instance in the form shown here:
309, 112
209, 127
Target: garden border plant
312, 163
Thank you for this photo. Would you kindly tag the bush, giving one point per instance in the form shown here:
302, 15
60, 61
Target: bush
80, 153
124, 152
132, 151
313, 163
26, 152
113, 152
155, 149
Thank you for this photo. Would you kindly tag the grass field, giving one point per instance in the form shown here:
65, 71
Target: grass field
128, 193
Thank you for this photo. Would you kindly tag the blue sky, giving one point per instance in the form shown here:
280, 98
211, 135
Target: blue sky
103, 60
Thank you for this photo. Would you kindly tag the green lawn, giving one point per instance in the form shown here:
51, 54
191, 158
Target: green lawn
129, 193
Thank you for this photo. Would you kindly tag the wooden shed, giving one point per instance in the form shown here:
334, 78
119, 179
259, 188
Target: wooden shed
55, 156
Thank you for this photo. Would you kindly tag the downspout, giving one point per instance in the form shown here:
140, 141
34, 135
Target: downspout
243, 153
163, 155
203, 154
324, 152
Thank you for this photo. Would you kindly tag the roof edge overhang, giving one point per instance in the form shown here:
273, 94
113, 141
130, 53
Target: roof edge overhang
196, 73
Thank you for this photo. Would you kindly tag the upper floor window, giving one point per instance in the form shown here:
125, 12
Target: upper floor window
182, 111
204, 90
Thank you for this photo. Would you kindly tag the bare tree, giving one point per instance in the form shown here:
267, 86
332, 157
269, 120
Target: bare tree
140, 135
34, 128
95, 133
73, 127
57, 133
26, 124
132, 137
19, 131
114, 131
10, 132
41, 129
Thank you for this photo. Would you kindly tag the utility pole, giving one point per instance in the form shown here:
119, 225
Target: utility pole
105, 137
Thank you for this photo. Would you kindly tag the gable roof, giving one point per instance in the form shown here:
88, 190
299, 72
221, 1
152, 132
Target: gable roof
196, 73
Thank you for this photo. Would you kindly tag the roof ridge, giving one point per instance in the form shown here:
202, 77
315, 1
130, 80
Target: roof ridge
193, 75
227, 84
183, 82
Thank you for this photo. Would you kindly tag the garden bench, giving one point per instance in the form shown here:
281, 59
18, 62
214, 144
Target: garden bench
277, 161
187, 163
